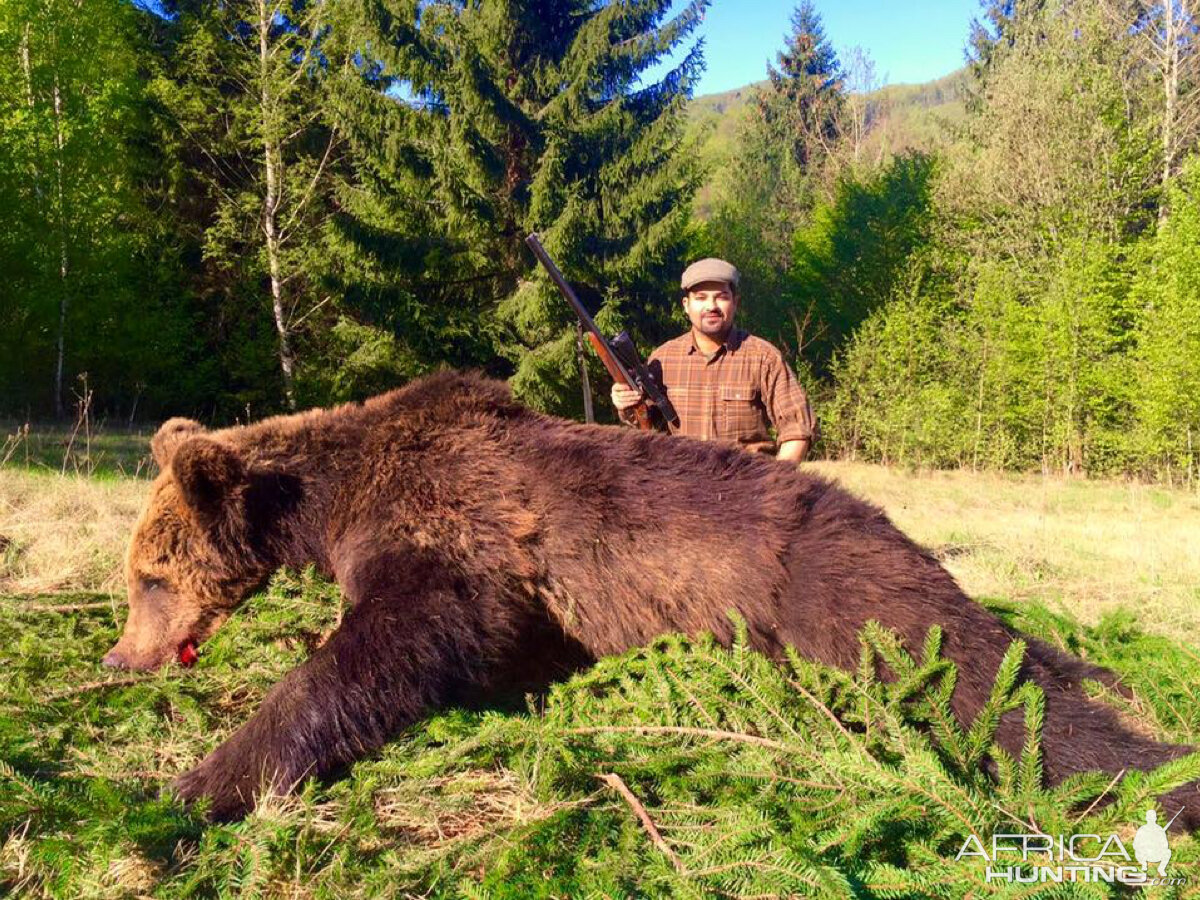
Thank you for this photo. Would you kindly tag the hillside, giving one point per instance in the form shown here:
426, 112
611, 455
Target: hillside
900, 116
919, 116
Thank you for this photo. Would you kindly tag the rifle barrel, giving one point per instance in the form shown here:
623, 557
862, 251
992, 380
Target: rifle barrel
556, 276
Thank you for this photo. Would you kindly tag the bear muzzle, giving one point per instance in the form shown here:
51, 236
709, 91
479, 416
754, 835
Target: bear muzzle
118, 658
146, 645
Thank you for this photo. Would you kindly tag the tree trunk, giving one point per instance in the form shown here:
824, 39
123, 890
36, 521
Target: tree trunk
1167, 37
63, 295
271, 153
1170, 73
979, 406
27, 69
589, 415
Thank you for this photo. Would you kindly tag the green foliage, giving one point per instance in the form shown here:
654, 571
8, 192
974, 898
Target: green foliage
899, 398
224, 208
238, 100
1025, 372
996, 32
87, 286
1034, 331
774, 177
853, 253
1145, 662
358, 361
1061, 95
503, 118
1167, 359
760, 778
801, 106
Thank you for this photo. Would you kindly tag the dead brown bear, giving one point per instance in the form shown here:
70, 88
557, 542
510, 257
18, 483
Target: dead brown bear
465, 530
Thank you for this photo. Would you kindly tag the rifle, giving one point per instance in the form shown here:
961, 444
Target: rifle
619, 355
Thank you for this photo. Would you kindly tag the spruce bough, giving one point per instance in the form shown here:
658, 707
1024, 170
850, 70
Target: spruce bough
760, 779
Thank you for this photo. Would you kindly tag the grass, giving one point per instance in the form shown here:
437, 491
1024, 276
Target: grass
97, 449
64, 532
757, 779
755, 788
1085, 548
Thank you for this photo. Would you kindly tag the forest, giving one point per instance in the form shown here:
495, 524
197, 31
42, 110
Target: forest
230, 209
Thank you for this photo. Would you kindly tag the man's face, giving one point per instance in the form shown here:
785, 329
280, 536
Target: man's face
710, 307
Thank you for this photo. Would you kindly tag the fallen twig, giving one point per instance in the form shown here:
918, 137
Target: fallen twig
614, 781
98, 685
1083, 815
692, 732
61, 607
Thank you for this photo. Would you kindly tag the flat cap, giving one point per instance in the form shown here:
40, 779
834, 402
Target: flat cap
710, 269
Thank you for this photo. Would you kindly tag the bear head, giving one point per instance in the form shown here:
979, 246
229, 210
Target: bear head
191, 561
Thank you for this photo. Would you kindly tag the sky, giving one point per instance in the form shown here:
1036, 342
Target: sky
910, 41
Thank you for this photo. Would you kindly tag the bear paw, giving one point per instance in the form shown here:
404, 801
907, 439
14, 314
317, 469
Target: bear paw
220, 779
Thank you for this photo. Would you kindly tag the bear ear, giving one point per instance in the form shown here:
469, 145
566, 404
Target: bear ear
172, 433
211, 478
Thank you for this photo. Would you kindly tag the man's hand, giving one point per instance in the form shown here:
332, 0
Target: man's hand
794, 450
625, 397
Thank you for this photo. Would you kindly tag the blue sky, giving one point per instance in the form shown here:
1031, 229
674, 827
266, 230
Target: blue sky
909, 40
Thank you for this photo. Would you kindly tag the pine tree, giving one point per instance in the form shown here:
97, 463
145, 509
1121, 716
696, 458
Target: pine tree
803, 103
778, 176
996, 32
482, 122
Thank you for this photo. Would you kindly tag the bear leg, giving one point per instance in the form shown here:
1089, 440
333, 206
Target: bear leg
416, 638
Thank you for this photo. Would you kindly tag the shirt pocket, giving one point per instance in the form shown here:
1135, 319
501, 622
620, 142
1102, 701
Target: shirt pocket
738, 410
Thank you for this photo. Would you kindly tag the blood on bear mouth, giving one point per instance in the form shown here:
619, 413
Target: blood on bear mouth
187, 653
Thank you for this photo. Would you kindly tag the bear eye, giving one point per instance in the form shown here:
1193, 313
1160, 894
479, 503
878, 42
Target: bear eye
153, 584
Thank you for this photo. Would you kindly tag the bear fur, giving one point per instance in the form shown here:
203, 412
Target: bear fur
470, 535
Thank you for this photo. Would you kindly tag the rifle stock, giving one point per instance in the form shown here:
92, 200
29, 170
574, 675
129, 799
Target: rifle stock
641, 409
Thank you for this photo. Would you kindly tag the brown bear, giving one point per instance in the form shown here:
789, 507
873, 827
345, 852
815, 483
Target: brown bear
467, 532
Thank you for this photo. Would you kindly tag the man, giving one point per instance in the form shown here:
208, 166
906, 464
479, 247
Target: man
725, 384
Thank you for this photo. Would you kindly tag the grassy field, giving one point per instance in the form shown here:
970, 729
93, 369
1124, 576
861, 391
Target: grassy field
756, 780
97, 449
1085, 548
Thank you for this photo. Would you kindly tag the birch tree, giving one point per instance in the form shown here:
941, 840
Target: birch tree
1165, 38
67, 99
245, 96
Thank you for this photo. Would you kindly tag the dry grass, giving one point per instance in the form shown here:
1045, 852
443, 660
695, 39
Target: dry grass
1083, 546
436, 813
64, 532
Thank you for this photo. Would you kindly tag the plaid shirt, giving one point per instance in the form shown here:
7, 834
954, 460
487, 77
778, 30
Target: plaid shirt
735, 394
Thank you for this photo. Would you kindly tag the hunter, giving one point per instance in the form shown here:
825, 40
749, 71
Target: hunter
726, 384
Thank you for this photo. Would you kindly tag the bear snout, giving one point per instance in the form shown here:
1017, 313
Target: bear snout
120, 658
114, 660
